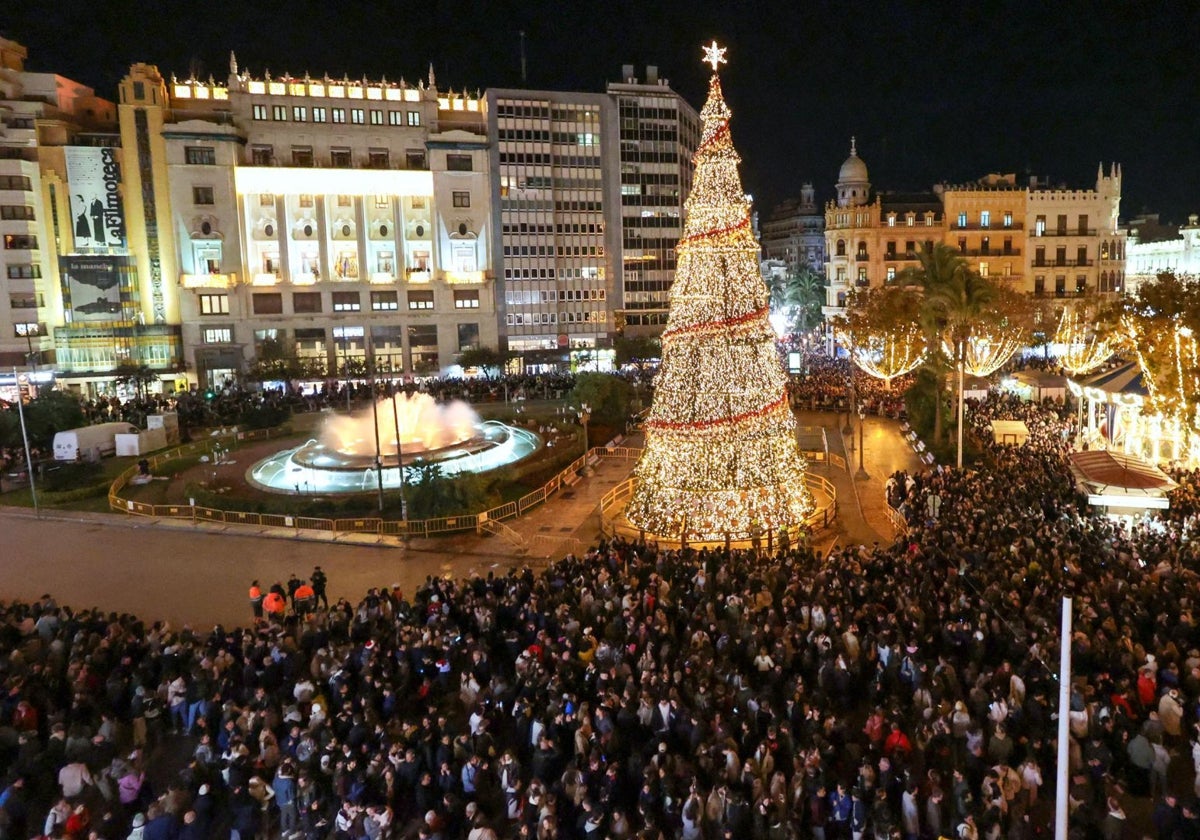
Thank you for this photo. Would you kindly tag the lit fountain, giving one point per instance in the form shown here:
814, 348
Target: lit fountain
343, 459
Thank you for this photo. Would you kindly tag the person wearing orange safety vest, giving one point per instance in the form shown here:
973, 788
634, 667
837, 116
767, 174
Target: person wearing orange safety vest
256, 599
305, 600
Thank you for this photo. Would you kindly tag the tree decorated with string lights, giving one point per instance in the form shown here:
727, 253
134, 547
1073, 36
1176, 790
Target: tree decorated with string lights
721, 457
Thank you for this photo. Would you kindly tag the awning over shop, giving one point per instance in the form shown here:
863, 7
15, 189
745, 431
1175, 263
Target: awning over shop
1113, 479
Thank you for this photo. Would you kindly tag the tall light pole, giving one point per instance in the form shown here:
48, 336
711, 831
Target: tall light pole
585, 414
861, 475
25, 438
962, 351
375, 417
399, 449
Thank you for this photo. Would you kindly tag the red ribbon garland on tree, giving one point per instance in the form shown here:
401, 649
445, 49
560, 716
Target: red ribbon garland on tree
722, 129
724, 421
709, 234
708, 325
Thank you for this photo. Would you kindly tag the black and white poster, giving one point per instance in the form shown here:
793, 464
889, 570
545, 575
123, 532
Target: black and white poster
94, 181
94, 284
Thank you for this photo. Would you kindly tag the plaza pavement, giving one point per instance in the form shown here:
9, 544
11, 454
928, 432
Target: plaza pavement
199, 573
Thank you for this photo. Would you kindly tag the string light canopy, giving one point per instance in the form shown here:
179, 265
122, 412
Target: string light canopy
986, 351
1084, 348
721, 458
882, 331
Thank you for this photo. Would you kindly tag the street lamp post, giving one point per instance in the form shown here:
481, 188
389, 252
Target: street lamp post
861, 475
25, 439
585, 414
961, 377
399, 449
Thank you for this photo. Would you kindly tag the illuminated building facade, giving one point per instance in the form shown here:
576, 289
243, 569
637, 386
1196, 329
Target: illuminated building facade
341, 223
1052, 242
1155, 248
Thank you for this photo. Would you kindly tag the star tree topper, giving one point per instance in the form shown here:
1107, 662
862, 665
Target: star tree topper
714, 55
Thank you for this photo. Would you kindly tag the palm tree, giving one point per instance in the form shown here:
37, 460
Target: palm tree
954, 299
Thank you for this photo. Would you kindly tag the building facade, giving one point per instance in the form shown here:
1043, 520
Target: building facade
659, 133
1044, 241
1154, 248
794, 233
344, 224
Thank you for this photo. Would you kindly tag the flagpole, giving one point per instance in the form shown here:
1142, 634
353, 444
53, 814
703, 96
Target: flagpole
25, 437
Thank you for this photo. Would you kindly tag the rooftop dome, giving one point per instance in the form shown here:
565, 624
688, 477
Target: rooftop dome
853, 170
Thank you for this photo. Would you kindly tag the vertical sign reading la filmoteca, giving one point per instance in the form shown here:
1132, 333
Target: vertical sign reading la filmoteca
94, 179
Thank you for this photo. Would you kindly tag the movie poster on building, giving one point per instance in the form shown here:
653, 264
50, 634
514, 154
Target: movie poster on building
94, 284
94, 181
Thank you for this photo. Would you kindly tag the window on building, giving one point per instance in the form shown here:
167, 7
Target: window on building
420, 299
910, 220
379, 159
1081, 255
1083, 225
983, 269
28, 329
319, 115
259, 112
306, 200
862, 277
214, 304
1039, 226
262, 155
891, 220
1039, 256
462, 198
414, 117
376, 116
358, 116
468, 337
306, 303
458, 163
1008, 218
466, 299
25, 300
384, 301
16, 212
337, 115
395, 118
1060, 255
267, 303
840, 248
278, 112
302, 156
340, 158
962, 220
891, 273
202, 195
1062, 224
217, 335
200, 155
24, 272
300, 113
985, 218
347, 301
414, 159
1039, 284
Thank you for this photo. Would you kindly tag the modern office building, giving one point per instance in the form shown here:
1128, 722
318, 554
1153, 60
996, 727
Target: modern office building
659, 133
587, 195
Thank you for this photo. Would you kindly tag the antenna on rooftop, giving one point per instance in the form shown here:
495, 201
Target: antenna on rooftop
523, 74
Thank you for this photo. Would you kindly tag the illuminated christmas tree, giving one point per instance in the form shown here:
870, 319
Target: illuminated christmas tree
721, 455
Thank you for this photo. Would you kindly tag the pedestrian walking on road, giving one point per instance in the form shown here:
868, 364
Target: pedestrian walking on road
318, 584
256, 599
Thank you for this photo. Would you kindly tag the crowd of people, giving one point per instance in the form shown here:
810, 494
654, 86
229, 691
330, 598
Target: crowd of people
873, 691
825, 384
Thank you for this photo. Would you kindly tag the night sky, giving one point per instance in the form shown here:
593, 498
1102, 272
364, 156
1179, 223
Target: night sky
933, 91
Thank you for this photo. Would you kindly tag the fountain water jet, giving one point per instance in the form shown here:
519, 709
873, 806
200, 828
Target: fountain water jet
343, 459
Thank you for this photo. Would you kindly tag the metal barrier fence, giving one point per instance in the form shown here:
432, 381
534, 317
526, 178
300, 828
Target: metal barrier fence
899, 526
351, 525
613, 502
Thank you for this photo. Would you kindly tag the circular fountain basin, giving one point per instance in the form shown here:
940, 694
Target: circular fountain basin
316, 468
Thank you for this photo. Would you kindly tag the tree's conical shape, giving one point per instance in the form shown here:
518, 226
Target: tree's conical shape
721, 457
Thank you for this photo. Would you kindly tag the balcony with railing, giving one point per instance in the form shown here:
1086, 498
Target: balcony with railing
1066, 232
990, 252
894, 256
1056, 263
1000, 227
